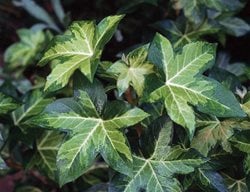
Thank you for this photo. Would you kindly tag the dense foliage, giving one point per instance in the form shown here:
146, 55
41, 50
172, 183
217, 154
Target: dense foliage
146, 98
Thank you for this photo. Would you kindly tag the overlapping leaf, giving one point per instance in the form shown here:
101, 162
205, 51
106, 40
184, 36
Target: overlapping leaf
23, 53
79, 48
212, 132
45, 157
7, 104
89, 135
185, 85
132, 69
181, 32
33, 105
156, 173
235, 185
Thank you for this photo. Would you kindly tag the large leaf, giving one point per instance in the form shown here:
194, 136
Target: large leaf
185, 85
7, 103
212, 131
47, 147
79, 47
89, 135
33, 105
157, 172
132, 69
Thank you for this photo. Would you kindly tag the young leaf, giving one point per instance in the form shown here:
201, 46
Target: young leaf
185, 84
89, 136
79, 48
132, 70
156, 173
7, 104
34, 104
45, 157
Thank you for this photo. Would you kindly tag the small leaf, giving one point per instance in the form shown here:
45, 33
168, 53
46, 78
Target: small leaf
185, 85
7, 104
132, 70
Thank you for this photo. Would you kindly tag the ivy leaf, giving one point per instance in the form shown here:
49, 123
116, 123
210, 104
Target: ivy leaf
23, 53
156, 173
235, 185
47, 147
95, 90
80, 47
234, 26
212, 131
211, 180
241, 141
89, 135
33, 105
181, 32
7, 103
185, 85
132, 69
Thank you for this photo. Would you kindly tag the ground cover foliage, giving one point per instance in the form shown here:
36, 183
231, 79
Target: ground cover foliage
134, 96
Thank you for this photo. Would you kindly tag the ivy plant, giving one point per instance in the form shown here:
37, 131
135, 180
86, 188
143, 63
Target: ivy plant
166, 115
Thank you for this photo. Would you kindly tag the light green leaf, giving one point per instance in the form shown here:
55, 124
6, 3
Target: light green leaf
33, 105
26, 51
7, 104
45, 157
157, 172
90, 135
185, 85
211, 132
132, 69
80, 47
